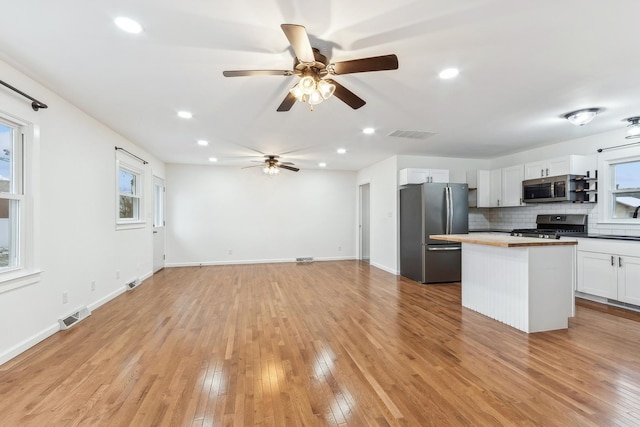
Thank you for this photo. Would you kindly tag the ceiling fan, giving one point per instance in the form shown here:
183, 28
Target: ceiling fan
313, 68
272, 165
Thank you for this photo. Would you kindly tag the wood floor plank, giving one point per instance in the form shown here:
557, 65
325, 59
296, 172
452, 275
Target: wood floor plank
328, 343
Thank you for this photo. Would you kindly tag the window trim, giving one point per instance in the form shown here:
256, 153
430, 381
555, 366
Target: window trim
27, 272
606, 190
139, 222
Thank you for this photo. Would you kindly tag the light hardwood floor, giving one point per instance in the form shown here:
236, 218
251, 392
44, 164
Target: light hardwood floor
330, 343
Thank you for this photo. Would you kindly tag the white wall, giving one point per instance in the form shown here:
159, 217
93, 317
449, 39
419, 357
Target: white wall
383, 180
212, 210
75, 218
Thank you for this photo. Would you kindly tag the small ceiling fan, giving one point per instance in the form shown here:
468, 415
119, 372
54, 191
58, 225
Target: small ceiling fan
313, 68
272, 165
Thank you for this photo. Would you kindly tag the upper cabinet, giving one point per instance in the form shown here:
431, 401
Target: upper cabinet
419, 176
512, 185
496, 188
565, 165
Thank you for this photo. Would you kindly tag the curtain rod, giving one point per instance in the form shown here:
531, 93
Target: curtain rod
144, 162
600, 150
35, 104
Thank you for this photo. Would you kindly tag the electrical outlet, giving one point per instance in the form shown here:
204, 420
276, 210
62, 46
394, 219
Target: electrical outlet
65, 297
118, 274
230, 251
93, 285
339, 248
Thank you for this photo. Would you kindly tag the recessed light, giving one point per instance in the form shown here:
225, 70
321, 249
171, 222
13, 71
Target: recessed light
449, 73
128, 25
322, 165
341, 150
185, 114
203, 143
213, 159
368, 131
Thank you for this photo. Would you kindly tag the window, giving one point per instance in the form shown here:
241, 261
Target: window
625, 191
129, 195
12, 198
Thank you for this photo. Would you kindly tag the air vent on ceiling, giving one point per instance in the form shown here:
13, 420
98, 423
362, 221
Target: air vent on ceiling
68, 321
413, 134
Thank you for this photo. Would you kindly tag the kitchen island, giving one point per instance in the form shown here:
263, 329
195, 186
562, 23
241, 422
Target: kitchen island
527, 283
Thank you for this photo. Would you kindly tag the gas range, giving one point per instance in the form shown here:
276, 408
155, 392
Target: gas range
555, 226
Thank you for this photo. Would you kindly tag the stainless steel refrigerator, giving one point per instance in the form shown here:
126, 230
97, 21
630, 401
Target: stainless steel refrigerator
432, 209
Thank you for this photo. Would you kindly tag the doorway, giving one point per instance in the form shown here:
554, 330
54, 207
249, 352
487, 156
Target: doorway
365, 229
158, 224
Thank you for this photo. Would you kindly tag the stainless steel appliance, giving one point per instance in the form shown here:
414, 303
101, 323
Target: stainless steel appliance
563, 188
432, 209
554, 226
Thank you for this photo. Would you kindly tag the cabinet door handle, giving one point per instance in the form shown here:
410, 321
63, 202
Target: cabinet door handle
619, 261
612, 260
541, 172
547, 171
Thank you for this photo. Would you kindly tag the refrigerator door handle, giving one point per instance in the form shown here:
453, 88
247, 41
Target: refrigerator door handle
447, 202
451, 211
457, 248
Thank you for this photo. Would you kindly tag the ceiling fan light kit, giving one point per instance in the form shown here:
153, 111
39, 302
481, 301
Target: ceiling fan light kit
582, 117
313, 68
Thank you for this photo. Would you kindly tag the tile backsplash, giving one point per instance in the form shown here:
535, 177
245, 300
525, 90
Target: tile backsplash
525, 217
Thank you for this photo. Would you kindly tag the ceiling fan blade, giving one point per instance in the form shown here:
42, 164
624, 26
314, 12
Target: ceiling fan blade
375, 63
242, 73
286, 163
299, 41
281, 166
348, 97
254, 166
287, 103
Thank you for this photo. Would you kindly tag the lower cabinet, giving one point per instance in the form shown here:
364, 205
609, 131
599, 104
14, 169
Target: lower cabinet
609, 275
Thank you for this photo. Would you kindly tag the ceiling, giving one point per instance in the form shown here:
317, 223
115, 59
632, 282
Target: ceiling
523, 65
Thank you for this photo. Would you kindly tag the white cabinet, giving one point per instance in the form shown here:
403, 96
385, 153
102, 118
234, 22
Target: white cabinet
479, 188
597, 274
609, 269
565, 165
512, 185
496, 188
419, 176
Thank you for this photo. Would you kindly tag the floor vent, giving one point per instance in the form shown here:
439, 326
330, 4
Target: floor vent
305, 259
133, 284
70, 320
412, 134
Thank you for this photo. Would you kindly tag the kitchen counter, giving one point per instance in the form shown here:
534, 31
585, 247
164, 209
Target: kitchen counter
501, 240
610, 237
524, 282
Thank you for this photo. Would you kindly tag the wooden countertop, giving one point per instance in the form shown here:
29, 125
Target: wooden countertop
503, 240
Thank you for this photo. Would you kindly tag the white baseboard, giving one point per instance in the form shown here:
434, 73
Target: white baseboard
385, 268
254, 261
28, 343
107, 298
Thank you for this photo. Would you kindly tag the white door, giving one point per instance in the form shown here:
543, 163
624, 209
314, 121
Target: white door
158, 223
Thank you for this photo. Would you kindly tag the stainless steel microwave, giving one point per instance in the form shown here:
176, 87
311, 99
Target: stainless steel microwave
550, 189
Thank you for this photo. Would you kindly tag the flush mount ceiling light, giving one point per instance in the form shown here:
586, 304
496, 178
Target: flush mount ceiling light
368, 131
341, 150
633, 128
449, 73
203, 143
185, 114
128, 25
213, 159
322, 164
581, 117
